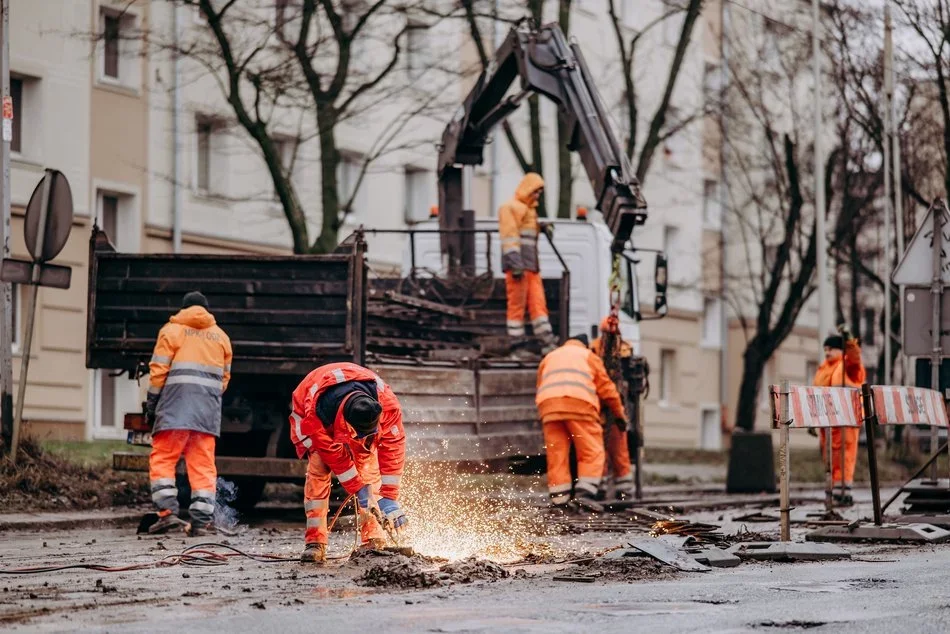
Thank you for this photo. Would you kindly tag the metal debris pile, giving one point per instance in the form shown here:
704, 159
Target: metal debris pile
417, 572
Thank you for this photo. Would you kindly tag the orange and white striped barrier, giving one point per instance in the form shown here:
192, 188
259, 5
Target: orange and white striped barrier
900, 405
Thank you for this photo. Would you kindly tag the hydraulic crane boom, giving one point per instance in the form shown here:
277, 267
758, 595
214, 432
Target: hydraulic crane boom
547, 64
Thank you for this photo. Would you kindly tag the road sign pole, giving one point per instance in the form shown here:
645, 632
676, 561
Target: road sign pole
936, 289
6, 291
31, 313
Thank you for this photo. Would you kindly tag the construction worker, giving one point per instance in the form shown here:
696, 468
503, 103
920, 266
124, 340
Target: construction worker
519, 229
842, 367
188, 373
346, 421
618, 449
572, 382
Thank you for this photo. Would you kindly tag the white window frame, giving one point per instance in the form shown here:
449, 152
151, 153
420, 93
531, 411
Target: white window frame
716, 412
351, 163
17, 334
415, 210
712, 306
667, 376
128, 214
286, 150
130, 65
415, 46
811, 368
217, 185
712, 204
30, 113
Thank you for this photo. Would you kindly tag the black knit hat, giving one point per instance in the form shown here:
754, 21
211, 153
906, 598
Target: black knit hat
194, 298
834, 341
582, 338
362, 412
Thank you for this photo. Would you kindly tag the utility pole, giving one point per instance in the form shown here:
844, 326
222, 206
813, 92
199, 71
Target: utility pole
6, 294
888, 130
824, 288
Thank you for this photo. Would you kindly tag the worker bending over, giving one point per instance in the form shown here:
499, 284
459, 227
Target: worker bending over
842, 368
618, 449
188, 373
572, 382
347, 421
519, 228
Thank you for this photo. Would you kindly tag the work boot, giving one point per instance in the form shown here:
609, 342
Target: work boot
586, 502
374, 543
314, 553
843, 499
200, 530
166, 523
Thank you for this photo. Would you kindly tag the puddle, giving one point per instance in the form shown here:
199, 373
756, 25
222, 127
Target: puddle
648, 608
790, 625
836, 586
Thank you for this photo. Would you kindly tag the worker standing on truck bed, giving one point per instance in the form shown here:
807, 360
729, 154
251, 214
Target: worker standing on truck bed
346, 421
842, 367
188, 373
618, 450
572, 381
519, 228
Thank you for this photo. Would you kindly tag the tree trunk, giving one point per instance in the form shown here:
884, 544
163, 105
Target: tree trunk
855, 284
565, 173
752, 368
329, 193
534, 113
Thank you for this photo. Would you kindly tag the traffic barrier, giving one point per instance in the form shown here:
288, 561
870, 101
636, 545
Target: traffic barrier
808, 407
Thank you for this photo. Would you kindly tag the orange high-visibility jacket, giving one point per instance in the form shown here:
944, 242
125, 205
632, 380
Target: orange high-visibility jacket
847, 371
518, 227
189, 371
335, 440
572, 381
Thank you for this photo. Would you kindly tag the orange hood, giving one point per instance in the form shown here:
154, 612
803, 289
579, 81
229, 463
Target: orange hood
529, 184
194, 317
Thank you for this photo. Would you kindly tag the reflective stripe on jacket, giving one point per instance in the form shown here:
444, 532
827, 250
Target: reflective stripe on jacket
518, 227
189, 371
336, 443
572, 381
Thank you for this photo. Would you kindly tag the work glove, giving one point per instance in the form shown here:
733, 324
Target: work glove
392, 512
548, 229
364, 497
150, 404
517, 273
845, 332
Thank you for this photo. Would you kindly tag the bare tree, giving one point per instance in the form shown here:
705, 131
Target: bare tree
328, 61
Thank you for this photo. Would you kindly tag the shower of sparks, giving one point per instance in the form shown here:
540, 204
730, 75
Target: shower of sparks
457, 515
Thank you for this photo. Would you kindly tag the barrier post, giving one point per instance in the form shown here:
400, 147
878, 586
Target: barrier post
870, 424
785, 420
829, 477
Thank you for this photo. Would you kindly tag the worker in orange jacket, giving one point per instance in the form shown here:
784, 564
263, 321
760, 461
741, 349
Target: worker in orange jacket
842, 367
347, 422
572, 382
519, 229
618, 449
188, 374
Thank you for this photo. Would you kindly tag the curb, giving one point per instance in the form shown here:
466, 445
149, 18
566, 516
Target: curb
77, 519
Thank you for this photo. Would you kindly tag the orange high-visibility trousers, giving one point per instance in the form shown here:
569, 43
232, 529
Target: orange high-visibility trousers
618, 452
198, 449
850, 435
588, 440
527, 294
316, 498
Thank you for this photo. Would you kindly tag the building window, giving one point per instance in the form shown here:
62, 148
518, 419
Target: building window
15, 309
870, 326
667, 362
712, 83
110, 216
712, 209
118, 48
670, 247
110, 37
419, 194
710, 433
811, 369
415, 45
211, 166
285, 153
16, 93
348, 176
712, 322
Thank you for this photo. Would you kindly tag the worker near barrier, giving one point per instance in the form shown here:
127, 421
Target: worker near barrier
618, 450
842, 367
188, 374
519, 229
347, 422
572, 382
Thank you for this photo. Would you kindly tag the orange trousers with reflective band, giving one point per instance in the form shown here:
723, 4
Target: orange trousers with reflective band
850, 436
527, 295
619, 457
588, 439
316, 497
198, 450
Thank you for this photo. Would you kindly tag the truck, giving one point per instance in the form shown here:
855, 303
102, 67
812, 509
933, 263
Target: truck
436, 333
